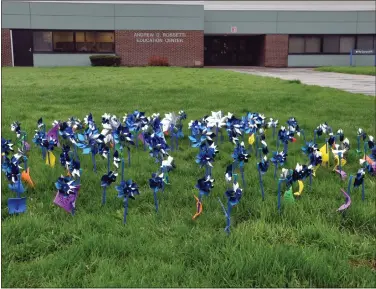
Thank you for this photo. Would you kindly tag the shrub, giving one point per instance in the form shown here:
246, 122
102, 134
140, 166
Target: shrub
105, 60
158, 61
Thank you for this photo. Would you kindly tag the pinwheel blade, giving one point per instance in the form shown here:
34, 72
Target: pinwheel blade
16, 205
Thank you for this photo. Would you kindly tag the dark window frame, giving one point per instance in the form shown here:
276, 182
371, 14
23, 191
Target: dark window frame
74, 41
322, 43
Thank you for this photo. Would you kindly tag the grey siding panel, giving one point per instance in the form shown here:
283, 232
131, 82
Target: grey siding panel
314, 16
250, 16
366, 16
159, 10
72, 22
242, 27
15, 21
329, 60
62, 59
15, 8
366, 28
72, 9
317, 27
158, 23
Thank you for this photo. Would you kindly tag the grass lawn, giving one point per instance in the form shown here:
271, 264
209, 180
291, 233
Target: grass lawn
363, 70
308, 245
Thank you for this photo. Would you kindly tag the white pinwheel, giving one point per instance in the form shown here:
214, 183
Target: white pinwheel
216, 119
169, 119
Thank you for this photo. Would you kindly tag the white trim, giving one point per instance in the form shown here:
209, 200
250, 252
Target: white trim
11, 46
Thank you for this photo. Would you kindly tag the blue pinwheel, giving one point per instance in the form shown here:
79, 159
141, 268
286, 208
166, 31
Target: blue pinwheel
157, 147
262, 168
204, 186
67, 192
127, 189
359, 181
293, 126
310, 148
65, 158
123, 138
233, 196
156, 184
240, 157
233, 128
284, 136
6, 147
75, 169
206, 156
106, 181
136, 121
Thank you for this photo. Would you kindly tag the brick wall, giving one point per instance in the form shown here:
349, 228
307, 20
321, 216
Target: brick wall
6, 49
135, 47
276, 50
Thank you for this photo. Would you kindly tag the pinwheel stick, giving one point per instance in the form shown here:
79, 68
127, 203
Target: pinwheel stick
93, 160
227, 215
365, 150
257, 144
275, 170
172, 137
19, 186
217, 134
155, 199
104, 195
125, 210
340, 164
241, 167
136, 135
43, 153
129, 156
349, 185
358, 141
108, 162
177, 141
75, 152
280, 181
261, 184
285, 147
122, 169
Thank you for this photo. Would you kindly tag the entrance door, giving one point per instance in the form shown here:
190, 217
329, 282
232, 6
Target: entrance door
22, 47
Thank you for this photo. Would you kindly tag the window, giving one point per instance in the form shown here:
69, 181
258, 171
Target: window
312, 44
42, 41
346, 44
365, 42
296, 44
74, 41
331, 44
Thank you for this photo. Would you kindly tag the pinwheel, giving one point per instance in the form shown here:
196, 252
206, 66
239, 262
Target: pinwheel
65, 158
310, 148
155, 124
21, 136
39, 137
75, 169
315, 159
240, 157
368, 144
284, 136
127, 189
340, 161
53, 133
157, 147
25, 175
106, 181
293, 126
123, 138
322, 128
6, 147
67, 192
49, 145
116, 158
64, 130
75, 123
233, 196
264, 148
169, 123
206, 156
273, 124
359, 180
135, 122
204, 186
262, 168
361, 134
233, 127
217, 120
167, 166
156, 184
278, 159
11, 169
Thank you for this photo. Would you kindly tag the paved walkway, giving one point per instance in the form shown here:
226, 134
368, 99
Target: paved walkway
365, 84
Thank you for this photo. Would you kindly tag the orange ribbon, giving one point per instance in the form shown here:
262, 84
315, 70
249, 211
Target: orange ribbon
199, 208
25, 176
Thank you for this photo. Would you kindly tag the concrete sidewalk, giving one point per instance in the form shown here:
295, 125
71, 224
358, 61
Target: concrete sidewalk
365, 84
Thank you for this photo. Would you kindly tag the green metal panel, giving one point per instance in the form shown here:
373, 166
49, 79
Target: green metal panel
15, 21
242, 27
329, 60
367, 16
317, 16
317, 27
158, 23
62, 59
366, 28
72, 22
86, 9
145, 10
15, 8
248, 16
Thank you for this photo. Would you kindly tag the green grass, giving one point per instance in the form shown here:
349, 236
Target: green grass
308, 245
362, 70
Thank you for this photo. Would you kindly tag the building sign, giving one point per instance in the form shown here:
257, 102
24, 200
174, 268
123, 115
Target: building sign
234, 29
162, 37
364, 51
